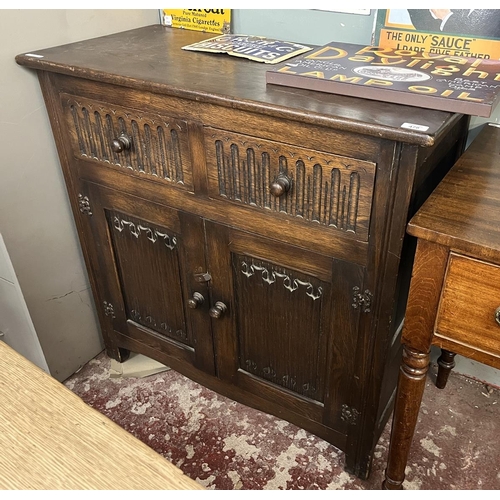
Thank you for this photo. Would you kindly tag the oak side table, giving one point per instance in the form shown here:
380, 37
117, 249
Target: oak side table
454, 298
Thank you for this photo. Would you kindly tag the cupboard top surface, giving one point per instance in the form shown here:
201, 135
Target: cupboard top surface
151, 58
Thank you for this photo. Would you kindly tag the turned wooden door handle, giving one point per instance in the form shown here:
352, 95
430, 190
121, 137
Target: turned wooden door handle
121, 143
196, 300
218, 310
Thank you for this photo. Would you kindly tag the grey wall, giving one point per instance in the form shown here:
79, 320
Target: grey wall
317, 27
35, 216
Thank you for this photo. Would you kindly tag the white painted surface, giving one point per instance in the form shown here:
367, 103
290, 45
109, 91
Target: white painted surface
16, 327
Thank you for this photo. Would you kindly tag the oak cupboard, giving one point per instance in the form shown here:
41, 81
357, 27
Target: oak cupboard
249, 236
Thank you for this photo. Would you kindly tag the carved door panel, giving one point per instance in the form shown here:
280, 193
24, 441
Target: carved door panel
288, 331
145, 259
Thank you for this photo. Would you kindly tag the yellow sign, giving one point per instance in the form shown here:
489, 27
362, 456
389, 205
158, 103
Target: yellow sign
471, 33
461, 46
208, 20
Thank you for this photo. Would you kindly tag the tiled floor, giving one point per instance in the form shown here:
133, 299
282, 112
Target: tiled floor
225, 445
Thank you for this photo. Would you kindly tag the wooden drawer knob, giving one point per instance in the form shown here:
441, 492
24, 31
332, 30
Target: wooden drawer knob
497, 315
280, 185
122, 143
218, 310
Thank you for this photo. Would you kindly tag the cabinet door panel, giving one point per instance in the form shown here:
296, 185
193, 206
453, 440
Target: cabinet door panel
279, 314
283, 336
145, 260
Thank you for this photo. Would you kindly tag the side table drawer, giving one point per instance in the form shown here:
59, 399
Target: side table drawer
157, 149
319, 188
469, 303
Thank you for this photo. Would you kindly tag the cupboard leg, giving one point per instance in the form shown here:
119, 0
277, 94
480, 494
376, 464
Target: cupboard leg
411, 384
359, 469
118, 354
446, 363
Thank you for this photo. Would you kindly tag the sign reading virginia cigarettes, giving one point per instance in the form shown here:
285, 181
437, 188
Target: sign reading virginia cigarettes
208, 20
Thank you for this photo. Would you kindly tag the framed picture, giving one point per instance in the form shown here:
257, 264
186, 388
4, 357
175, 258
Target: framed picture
454, 32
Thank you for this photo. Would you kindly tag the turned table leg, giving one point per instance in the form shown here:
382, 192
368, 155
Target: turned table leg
418, 330
446, 363
411, 384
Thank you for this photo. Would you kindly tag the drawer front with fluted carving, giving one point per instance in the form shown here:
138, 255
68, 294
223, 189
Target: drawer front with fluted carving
142, 144
321, 188
469, 310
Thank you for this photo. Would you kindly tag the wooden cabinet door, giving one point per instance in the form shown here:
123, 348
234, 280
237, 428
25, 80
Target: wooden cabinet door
145, 259
288, 333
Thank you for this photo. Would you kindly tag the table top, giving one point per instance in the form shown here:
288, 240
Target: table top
463, 212
151, 59
50, 439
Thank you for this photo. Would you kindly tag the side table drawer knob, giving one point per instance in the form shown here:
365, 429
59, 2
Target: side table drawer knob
497, 315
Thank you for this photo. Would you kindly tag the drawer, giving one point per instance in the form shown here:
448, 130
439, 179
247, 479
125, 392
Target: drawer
319, 188
469, 304
157, 148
